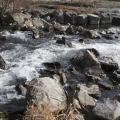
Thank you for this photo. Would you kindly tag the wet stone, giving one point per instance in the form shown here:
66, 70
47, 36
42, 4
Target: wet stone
2, 63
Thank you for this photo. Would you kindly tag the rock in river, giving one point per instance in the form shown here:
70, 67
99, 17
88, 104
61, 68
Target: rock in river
93, 19
81, 19
105, 19
64, 42
108, 64
2, 63
46, 91
116, 20
107, 109
85, 99
60, 29
87, 62
90, 34
20, 17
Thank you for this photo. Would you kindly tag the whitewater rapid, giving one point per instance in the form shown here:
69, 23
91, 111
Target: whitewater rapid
24, 57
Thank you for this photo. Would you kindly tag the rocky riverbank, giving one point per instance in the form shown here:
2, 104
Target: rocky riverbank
41, 67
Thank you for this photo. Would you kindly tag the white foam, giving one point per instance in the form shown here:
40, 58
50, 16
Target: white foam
17, 34
7, 94
27, 62
105, 49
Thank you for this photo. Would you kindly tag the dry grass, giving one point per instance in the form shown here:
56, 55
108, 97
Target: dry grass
33, 113
13, 5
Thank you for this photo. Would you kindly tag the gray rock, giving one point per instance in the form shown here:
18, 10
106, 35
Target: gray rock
115, 77
93, 19
47, 26
21, 89
52, 66
108, 64
93, 34
58, 15
105, 19
92, 90
86, 62
61, 41
109, 36
6, 19
116, 20
20, 17
84, 99
59, 28
64, 42
38, 23
67, 18
74, 18
81, 19
94, 51
46, 91
2, 37
107, 109
107, 84
2, 63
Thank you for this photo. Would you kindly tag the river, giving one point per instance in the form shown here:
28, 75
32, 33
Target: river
24, 57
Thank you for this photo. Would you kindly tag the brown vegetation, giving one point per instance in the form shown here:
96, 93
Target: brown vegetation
33, 113
13, 5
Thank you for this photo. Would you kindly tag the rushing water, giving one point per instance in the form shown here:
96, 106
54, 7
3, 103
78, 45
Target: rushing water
24, 57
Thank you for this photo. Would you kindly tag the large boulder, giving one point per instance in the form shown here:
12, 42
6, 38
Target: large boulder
67, 17
83, 99
6, 19
86, 60
74, 22
2, 63
92, 90
58, 15
20, 17
108, 64
70, 17
94, 51
107, 109
105, 19
46, 91
106, 84
93, 19
115, 76
81, 19
34, 24
70, 30
116, 20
